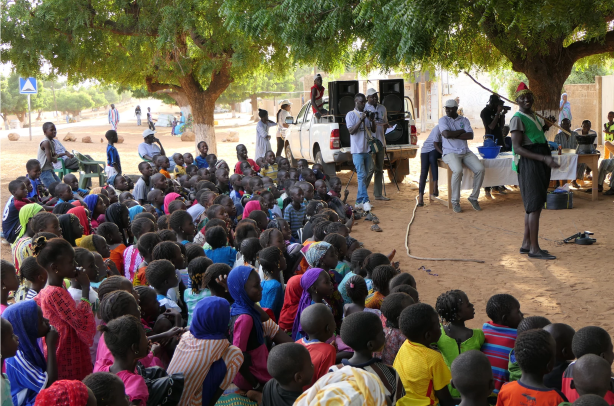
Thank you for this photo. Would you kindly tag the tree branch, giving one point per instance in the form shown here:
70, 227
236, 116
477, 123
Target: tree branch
113, 27
154, 87
581, 49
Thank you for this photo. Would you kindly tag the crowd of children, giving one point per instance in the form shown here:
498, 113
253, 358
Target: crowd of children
199, 288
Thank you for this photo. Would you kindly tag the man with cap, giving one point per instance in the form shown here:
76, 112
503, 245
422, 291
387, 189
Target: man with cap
357, 124
147, 149
381, 123
455, 131
317, 94
282, 113
113, 117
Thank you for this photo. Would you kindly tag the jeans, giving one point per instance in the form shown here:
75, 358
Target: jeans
471, 161
138, 119
377, 169
48, 177
280, 146
428, 159
362, 163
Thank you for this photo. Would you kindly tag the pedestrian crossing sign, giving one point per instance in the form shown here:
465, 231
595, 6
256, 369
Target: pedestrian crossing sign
28, 86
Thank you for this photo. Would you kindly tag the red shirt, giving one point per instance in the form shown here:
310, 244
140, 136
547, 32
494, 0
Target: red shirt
517, 394
251, 163
318, 98
323, 356
572, 394
20, 203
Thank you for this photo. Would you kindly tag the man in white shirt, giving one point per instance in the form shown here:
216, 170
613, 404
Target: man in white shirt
357, 124
455, 131
147, 149
381, 124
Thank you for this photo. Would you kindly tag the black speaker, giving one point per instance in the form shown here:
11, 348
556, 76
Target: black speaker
392, 96
340, 102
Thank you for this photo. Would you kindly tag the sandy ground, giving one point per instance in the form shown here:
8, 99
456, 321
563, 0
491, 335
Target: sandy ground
575, 289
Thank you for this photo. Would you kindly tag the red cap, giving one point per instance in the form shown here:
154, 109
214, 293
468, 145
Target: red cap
521, 86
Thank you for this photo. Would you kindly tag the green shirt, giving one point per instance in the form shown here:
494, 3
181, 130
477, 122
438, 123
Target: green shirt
449, 348
514, 368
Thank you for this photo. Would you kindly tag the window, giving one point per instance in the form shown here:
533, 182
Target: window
302, 113
309, 114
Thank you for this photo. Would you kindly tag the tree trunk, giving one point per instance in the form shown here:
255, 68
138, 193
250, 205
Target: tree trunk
234, 109
254, 101
21, 116
203, 127
40, 114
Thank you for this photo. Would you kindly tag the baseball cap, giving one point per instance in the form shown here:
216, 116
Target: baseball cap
317, 76
451, 103
371, 91
285, 101
148, 132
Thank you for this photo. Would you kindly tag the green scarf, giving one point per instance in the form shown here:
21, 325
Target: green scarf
533, 131
25, 214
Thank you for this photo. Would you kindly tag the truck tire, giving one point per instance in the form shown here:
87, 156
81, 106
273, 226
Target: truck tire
293, 162
329, 169
401, 169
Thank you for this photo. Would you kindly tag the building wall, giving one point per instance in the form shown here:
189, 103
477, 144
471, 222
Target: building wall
583, 100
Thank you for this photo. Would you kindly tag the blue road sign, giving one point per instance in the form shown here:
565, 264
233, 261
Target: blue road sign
28, 86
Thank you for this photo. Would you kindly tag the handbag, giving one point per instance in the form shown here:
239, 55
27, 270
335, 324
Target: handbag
374, 144
164, 389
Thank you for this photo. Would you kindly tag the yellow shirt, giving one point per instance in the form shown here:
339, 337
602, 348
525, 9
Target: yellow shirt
422, 371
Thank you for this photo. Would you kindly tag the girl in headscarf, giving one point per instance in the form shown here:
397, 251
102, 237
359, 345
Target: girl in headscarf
246, 330
564, 108
28, 371
118, 213
317, 285
83, 219
25, 214
207, 360
69, 393
71, 228
291, 300
168, 199
347, 386
96, 208
250, 207
21, 247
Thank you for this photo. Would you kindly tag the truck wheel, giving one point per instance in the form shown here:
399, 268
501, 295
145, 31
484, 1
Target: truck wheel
329, 169
293, 162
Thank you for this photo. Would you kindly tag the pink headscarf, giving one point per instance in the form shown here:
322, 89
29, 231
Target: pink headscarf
250, 207
168, 199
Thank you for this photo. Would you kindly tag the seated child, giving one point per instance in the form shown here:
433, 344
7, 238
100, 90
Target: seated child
294, 213
242, 156
423, 371
270, 168
535, 354
402, 279
36, 276
175, 252
317, 285
319, 327
8, 349
588, 340
72, 181
364, 334
126, 339
222, 185
563, 335
356, 289
179, 165
112, 235
526, 324
156, 199
500, 334
455, 309
145, 245
163, 163
407, 290
370, 263
10, 219
260, 218
188, 159
392, 306
182, 224
198, 289
382, 274
356, 261
220, 252
273, 263
472, 378
340, 243
108, 389
39, 191
161, 276
203, 149
591, 375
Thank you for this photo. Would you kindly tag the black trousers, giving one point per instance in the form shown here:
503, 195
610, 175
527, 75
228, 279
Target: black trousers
280, 146
428, 159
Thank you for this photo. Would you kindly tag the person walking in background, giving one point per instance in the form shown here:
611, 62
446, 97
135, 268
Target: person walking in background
150, 120
282, 113
137, 113
564, 109
113, 117
263, 143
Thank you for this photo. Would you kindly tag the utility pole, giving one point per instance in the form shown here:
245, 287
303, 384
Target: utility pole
29, 117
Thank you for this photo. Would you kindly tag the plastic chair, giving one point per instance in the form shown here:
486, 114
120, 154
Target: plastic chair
83, 175
63, 170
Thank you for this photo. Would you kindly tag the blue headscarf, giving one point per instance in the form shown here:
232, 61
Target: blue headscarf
91, 201
24, 318
210, 318
133, 211
243, 304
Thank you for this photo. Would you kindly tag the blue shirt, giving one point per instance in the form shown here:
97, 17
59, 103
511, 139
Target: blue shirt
113, 157
10, 221
295, 218
201, 162
223, 255
272, 296
26, 380
35, 183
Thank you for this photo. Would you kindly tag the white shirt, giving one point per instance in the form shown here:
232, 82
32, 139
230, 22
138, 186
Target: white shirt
148, 149
282, 120
434, 136
358, 140
454, 145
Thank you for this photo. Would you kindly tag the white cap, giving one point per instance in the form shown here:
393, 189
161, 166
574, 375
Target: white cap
317, 76
451, 103
285, 101
147, 133
371, 91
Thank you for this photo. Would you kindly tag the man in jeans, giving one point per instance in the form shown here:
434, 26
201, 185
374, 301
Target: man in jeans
381, 124
455, 131
357, 123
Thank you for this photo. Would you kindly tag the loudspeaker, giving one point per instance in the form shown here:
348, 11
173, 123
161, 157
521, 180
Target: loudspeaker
340, 102
392, 96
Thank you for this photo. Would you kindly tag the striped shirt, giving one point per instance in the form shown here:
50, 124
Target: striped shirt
26, 379
499, 342
193, 357
295, 218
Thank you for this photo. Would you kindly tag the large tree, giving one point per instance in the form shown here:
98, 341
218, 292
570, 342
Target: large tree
540, 38
181, 47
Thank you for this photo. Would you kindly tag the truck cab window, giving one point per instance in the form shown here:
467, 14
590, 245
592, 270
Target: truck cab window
301, 114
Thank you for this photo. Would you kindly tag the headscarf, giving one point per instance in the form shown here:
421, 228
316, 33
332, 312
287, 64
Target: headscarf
210, 318
251, 206
83, 219
309, 278
62, 208
219, 163
87, 242
562, 102
243, 304
114, 215
25, 214
347, 386
291, 299
91, 201
134, 210
316, 252
24, 318
63, 393
68, 234
168, 199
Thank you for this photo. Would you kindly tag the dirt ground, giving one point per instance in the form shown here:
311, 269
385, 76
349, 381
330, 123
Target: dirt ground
575, 289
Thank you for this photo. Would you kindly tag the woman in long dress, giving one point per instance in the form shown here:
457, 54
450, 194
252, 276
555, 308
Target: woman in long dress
263, 139
533, 162
565, 108
284, 111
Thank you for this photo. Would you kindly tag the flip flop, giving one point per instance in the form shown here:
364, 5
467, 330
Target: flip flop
541, 255
523, 251
376, 228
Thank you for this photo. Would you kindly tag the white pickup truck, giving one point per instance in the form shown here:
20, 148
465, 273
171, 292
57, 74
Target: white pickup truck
320, 141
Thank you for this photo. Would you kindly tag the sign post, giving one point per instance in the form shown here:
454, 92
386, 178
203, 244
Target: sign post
28, 86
